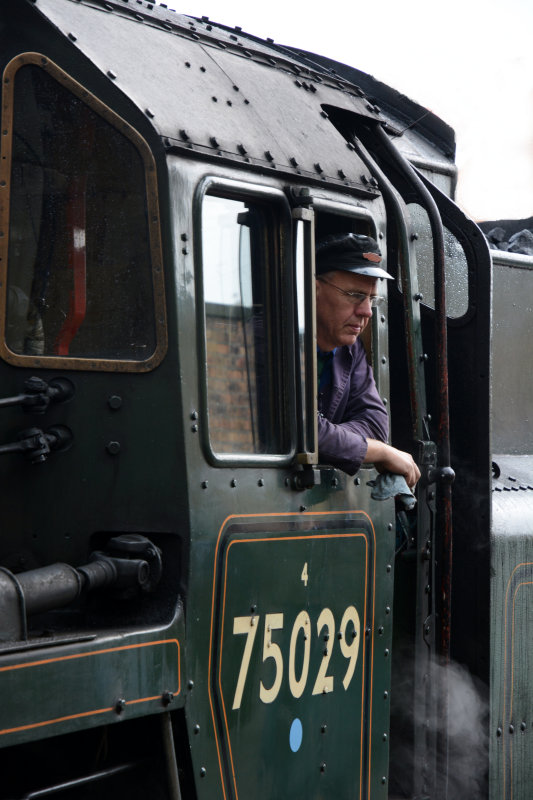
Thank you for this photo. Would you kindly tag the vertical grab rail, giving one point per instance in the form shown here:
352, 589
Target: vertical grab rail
443, 474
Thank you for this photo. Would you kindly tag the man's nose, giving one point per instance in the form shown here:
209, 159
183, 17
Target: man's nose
364, 309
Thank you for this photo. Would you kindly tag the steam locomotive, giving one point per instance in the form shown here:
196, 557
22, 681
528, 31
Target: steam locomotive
192, 605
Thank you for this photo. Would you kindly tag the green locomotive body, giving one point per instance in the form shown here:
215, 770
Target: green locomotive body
192, 605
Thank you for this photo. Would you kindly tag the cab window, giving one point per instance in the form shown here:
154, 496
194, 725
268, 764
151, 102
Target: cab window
83, 261
243, 316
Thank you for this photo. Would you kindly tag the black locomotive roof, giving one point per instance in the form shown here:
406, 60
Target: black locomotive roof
223, 93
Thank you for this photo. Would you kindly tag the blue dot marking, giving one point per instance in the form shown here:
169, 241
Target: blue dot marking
295, 735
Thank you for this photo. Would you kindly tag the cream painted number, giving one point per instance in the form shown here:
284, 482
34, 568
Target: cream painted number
349, 636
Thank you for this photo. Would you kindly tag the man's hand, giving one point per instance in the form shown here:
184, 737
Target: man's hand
387, 459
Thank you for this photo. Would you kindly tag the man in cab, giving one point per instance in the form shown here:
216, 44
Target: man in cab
353, 424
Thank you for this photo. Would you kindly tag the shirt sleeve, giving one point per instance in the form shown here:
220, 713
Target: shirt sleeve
342, 440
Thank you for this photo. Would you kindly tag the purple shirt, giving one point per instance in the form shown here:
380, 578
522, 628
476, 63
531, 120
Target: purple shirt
350, 410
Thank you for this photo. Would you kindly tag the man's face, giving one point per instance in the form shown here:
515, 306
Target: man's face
338, 319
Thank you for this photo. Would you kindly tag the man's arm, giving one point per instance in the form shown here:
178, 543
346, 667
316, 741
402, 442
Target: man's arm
354, 414
358, 434
389, 459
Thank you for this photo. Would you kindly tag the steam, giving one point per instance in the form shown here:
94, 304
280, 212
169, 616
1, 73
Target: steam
447, 699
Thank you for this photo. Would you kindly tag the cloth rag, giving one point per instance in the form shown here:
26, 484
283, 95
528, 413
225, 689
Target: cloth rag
388, 485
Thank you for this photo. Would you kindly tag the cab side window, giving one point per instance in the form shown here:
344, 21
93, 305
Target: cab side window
81, 247
241, 254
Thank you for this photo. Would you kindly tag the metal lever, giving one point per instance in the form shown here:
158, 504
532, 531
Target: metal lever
38, 445
39, 394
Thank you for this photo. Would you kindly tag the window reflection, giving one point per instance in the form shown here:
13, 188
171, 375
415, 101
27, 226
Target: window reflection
456, 266
239, 260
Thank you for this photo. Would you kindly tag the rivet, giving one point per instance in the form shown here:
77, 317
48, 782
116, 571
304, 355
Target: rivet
357, 481
414, 237
111, 74
380, 630
194, 414
120, 705
167, 698
203, 772
385, 737
387, 609
214, 99
323, 767
194, 428
190, 684
205, 484
323, 728
72, 37
424, 357
214, 141
385, 695
389, 568
269, 156
387, 652
384, 780
261, 482
293, 162
185, 251
341, 174
418, 296
499, 732
383, 359
197, 729
303, 508
113, 448
114, 401
389, 526
149, 113
184, 135
511, 728
318, 168
523, 726
233, 483
185, 238
324, 114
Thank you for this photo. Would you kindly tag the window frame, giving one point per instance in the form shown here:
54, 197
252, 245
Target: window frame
152, 215
241, 190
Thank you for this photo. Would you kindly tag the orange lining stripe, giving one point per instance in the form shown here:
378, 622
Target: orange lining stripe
281, 516
85, 655
269, 540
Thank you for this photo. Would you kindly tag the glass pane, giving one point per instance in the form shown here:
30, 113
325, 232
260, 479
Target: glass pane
239, 261
456, 266
79, 266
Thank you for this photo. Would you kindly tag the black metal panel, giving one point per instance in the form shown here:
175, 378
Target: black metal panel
215, 96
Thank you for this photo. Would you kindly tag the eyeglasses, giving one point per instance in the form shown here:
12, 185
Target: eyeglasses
357, 298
